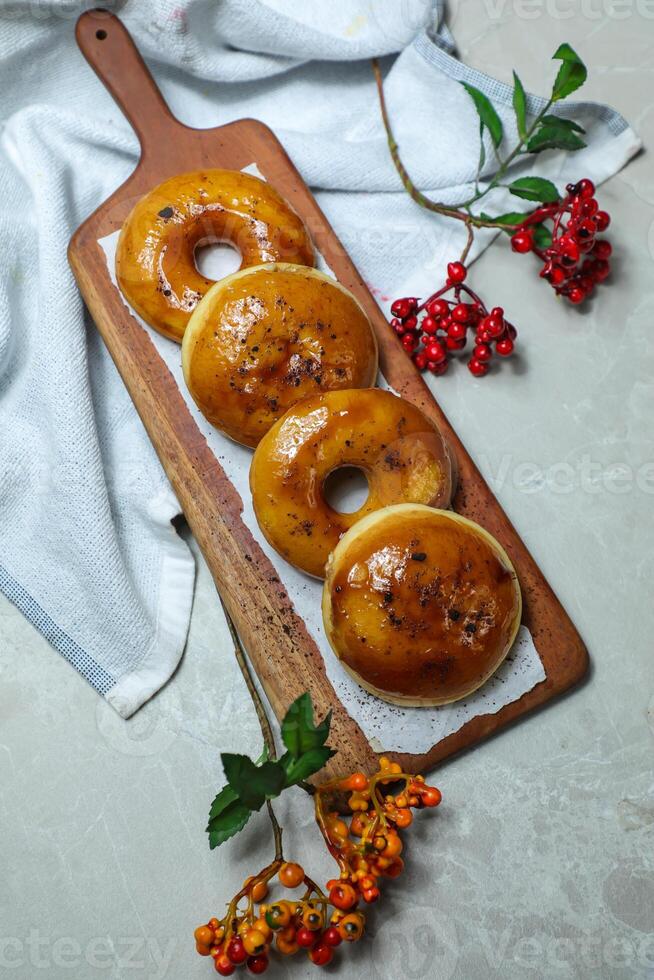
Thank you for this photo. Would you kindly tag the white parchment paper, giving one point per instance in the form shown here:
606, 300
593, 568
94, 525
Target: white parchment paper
385, 725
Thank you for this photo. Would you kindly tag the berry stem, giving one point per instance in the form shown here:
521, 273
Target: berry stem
277, 832
264, 723
265, 875
445, 289
313, 888
320, 820
468, 245
410, 187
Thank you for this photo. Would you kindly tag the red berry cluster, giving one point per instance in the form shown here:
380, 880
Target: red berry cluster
444, 326
576, 260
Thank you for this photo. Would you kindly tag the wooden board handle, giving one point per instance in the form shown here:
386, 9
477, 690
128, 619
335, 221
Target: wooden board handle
113, 56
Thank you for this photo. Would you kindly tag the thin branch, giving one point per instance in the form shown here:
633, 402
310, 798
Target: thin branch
241, 659
277, 832
264, 724
259, 707
409, 186
468, 245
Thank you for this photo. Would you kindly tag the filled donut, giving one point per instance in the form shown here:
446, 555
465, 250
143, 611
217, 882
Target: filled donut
420, 605
267, 337
400, 451
155, 260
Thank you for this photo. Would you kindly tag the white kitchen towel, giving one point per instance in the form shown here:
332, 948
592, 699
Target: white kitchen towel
87, 548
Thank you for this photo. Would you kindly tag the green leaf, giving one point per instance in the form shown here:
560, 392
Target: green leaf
542, 236
226, 797
253, 784
306, 765
299, 733
250, 784
571, 75
227, 823
482, 151
550, 137
566, 123
511, 218
520, 106
226, 817
486, 112
534, 189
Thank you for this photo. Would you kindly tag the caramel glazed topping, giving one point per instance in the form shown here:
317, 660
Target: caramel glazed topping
155, 260
272, 336
421, 606
399, 450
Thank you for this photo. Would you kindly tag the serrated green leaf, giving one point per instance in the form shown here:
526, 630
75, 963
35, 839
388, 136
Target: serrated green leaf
486, 112
571, 75
551, 137
566, 123
226, 797
534, 189
542, 236
250, 784
253, 784
298, 768
299, 733
520, 106
227, 823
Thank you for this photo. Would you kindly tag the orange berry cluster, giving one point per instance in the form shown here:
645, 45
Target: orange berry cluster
288, 925
366, 848
370, 847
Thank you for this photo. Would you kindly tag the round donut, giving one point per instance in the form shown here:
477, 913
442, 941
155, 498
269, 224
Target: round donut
155, 260
267, 337
400, 451
420, 605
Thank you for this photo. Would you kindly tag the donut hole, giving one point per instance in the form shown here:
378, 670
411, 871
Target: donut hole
346, 489
215, 260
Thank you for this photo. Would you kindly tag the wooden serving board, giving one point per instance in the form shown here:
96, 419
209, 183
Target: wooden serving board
278, 643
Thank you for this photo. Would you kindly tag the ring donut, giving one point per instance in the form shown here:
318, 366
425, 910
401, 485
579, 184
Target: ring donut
420, 605
400, 451
155, 260
267, 337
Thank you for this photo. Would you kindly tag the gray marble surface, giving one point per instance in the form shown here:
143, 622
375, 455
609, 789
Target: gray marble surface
540, 861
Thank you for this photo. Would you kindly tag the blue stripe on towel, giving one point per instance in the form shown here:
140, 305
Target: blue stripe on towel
80, 659
436, 50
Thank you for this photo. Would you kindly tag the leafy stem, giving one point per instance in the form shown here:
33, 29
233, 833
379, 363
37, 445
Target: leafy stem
410, 187
500, 173
250, 783
546, 131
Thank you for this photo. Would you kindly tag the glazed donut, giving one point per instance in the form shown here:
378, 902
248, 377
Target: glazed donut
400, 451
155, 260
264, 338
420, 605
